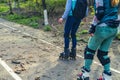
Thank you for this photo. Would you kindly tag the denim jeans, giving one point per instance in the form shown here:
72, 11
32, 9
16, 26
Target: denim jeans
70, 28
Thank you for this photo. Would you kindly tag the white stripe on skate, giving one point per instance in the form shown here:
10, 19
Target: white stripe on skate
9, 70
114, 70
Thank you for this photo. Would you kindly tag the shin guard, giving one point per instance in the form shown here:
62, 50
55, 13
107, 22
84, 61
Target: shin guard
103, 57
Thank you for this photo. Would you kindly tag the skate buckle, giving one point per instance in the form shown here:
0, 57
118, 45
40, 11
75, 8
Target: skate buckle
80, 74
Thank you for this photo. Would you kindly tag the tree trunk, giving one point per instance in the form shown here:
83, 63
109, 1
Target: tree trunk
37, 4
45, 13
10, 7
16, 4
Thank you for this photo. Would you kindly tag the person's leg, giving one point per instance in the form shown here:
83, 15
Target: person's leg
89, 52
93, 44
101, 33
67, 30
102, 53
73, 32
73, 36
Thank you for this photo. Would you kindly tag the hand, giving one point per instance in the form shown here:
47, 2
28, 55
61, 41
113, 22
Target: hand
60, 20
91, 34
92, 30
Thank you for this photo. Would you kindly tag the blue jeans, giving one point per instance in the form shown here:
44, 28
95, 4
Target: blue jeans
70, 28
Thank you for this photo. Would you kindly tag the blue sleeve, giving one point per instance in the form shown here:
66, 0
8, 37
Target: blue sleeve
67, 9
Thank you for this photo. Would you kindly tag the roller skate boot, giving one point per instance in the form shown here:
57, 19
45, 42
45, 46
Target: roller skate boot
105, 76
73, 54
84, 75
65, 55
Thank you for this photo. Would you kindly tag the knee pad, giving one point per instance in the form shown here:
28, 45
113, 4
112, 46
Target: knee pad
101, 55
89, 53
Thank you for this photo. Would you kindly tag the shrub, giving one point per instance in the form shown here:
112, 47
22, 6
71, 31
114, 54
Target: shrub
3, 8
47, 28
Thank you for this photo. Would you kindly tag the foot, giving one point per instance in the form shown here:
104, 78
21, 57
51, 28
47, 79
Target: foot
65, 54
84, 75
73, 54
105, 76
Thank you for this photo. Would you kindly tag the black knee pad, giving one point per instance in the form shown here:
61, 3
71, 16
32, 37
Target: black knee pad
89, 56
101, 55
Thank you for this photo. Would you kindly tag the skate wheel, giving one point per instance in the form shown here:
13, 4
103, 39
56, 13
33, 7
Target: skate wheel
72, 58
100, 78
79, 76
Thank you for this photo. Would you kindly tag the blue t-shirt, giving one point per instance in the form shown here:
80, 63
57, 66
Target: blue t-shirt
70, 4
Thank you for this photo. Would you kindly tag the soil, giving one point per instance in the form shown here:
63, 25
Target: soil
34, 54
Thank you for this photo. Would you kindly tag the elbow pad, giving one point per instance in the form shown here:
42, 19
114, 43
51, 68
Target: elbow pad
100, 12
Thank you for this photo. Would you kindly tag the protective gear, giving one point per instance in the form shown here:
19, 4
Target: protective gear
100, 12
101, 56
92, 29
89, 54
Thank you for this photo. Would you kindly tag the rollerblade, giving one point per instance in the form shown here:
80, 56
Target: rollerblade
105, 76
73, 54
84, 75
64, 55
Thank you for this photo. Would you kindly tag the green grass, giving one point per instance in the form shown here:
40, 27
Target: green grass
47, 28
32, 21
83, 32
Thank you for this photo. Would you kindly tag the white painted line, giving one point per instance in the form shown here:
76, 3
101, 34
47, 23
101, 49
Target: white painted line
114, 70
9, 70
8, 26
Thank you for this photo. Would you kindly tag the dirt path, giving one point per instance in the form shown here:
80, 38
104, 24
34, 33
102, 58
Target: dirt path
33, 54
